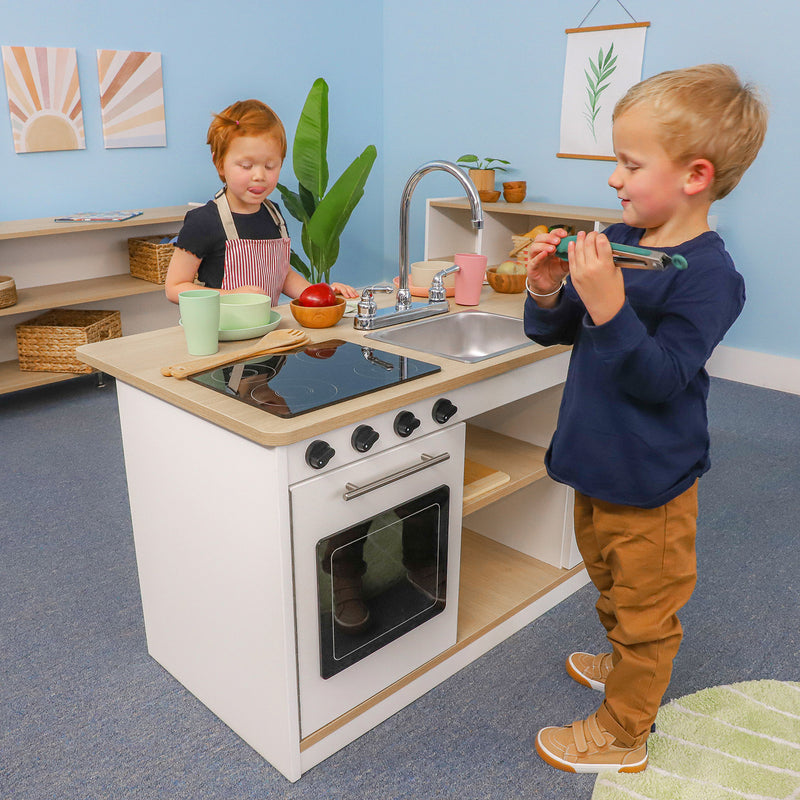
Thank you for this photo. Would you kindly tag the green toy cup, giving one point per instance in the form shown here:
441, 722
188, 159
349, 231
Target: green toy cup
200, 320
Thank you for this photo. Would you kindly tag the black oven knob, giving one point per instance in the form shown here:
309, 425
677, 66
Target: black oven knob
363, 438
405, 423
318, 454
443, 409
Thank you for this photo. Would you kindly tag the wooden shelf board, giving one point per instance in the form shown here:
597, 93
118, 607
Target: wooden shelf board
56, 295
46, 226
530, 209
12, 378
496, 583
522, 462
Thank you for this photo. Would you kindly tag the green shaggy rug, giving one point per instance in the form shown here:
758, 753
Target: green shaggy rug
725, 743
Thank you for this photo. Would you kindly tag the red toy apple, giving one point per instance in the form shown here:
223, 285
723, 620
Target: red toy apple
318, 294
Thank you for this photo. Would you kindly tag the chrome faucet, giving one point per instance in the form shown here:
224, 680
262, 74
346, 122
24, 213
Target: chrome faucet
404, 310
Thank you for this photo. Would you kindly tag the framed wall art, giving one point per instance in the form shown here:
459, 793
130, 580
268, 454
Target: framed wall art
44, 98
131, 98
602, 63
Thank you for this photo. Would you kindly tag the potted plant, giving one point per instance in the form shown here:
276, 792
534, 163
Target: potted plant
481, 170
322, 212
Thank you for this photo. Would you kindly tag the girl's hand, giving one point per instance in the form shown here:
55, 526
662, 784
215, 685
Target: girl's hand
546, 270
346, 291
244, 290
596, 278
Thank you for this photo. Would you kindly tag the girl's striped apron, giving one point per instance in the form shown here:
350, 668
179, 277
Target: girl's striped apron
254, 262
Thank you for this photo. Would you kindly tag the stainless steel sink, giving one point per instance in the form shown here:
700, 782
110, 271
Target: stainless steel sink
467, 336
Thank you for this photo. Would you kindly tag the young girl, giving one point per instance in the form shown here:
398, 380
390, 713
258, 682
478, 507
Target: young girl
238, 241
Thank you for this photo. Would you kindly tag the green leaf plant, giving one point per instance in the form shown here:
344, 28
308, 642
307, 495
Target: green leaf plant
602, 72
323, 215
471, 161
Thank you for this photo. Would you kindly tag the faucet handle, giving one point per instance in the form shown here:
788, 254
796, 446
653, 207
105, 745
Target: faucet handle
367, 305
368, 290
437, 292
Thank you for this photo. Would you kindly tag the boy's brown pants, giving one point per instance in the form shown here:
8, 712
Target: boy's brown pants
642, 561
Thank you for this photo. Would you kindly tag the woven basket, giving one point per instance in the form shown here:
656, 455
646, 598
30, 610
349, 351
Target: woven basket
8, 291
149, 258
47, 343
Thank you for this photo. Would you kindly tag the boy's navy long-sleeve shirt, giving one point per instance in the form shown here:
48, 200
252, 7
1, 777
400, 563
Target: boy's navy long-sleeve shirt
632, 427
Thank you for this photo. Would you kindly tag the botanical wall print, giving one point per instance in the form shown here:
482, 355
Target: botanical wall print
44, 98
131, 98
602, 63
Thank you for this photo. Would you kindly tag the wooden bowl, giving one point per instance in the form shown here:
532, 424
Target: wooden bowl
317, 316
514, 195
506, 284
489, 195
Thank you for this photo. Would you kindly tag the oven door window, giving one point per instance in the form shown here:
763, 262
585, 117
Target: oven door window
381, 578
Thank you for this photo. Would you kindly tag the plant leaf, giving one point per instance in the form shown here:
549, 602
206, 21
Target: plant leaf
307, 199
469, 158
309, 152
299, 265
333, 211
293, 203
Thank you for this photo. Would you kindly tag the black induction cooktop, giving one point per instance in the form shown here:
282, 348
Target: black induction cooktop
313, 376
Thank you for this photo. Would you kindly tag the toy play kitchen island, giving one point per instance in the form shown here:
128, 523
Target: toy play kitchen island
256, 511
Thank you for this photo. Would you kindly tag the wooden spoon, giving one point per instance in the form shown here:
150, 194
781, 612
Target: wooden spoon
275, 341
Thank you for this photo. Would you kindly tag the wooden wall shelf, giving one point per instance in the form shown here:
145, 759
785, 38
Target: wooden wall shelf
67, 253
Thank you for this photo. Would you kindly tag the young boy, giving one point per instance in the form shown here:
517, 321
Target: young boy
632, 435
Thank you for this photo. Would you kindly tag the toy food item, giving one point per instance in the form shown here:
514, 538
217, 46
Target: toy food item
318, 294
534, 232
510, 268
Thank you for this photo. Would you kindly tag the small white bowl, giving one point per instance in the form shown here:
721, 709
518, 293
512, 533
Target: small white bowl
422, 273
243, 310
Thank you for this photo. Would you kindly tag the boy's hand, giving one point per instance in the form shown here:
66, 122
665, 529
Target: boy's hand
596, 278
546, 270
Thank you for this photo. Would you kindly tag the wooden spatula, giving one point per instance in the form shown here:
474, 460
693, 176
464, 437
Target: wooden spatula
273, 342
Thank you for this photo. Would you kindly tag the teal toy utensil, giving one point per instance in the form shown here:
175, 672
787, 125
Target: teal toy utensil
635, 257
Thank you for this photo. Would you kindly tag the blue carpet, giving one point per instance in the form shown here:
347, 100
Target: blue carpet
85, 714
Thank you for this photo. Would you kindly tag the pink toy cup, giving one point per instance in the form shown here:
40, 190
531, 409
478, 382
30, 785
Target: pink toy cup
469, 278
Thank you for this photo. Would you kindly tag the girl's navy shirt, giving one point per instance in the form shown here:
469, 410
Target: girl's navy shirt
632, 427
202, 235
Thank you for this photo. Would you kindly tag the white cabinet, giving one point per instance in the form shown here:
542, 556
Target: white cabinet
56, 264
448, 229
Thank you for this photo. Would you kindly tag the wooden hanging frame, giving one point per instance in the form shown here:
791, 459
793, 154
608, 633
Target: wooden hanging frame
588, 29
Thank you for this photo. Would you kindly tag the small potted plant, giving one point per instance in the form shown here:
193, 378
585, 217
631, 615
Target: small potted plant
481, 171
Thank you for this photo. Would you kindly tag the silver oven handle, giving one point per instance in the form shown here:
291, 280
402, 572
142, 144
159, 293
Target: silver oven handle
354, 491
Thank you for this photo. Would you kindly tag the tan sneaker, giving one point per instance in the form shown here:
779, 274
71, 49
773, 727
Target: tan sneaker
590, 670
350, 613
585, 746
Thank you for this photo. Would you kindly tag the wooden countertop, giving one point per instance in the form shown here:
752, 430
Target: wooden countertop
137, 361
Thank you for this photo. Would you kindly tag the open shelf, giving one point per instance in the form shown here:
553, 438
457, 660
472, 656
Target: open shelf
47, 226
41, 298
12, 378
499, 456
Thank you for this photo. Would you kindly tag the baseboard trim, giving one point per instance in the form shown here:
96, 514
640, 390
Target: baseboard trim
758, 369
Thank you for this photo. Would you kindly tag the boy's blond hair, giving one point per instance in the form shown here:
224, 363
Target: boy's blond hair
243, 118
704, 112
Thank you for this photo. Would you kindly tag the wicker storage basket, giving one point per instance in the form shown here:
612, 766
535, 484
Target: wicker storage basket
47, 343
8, 291
149, 258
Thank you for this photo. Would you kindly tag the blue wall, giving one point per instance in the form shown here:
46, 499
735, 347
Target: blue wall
420, 80
212, 54
472, 77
